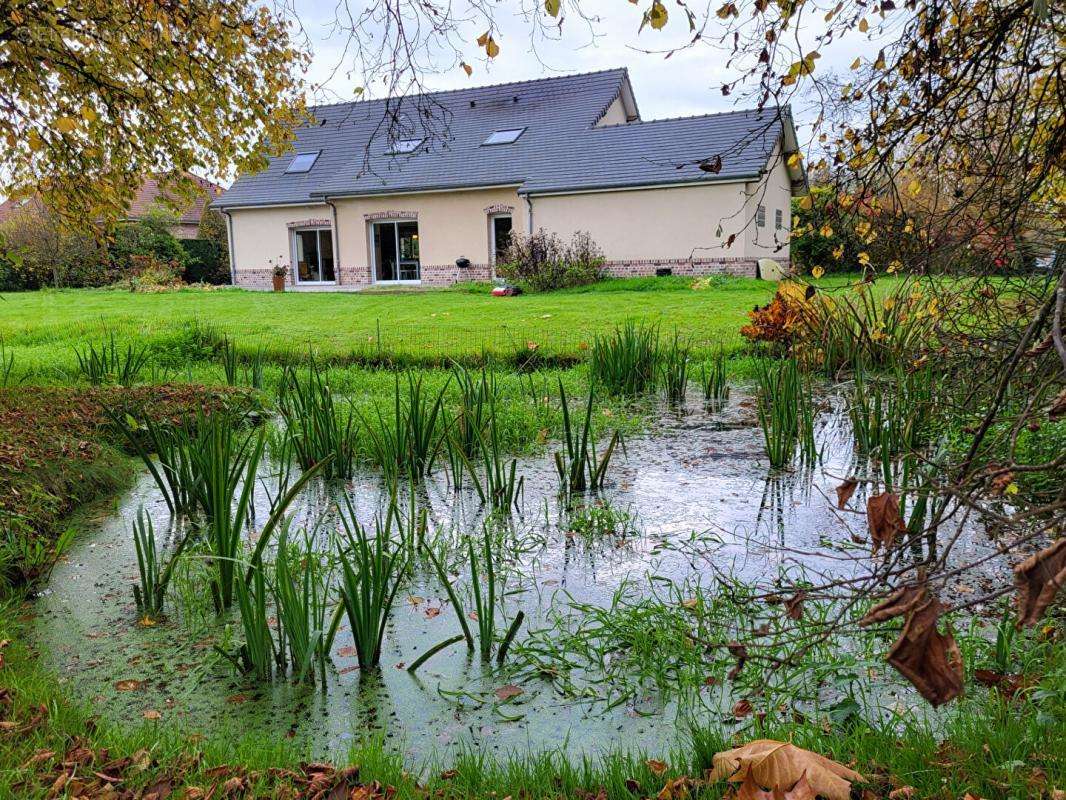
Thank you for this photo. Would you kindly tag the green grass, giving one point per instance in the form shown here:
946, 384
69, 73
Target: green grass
41, 329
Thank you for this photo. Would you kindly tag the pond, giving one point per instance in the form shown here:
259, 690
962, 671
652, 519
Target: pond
690, 515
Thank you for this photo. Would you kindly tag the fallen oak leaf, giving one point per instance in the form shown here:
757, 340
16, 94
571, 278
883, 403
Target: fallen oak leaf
1038, 580
780, 766
900, 602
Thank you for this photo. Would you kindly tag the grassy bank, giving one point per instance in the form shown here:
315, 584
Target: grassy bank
987, 745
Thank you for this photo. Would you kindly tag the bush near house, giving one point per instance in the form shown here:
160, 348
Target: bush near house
543, 262
40, 253
206, 262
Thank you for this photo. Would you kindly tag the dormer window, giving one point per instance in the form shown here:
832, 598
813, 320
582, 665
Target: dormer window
405, 146
508, 136
302, 162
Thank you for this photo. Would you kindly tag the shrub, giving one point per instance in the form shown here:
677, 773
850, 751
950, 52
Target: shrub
205, 262
146, 273
40, 253
543, 262
148, 236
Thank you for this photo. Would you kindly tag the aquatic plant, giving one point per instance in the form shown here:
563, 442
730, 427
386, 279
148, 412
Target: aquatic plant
257, 654
372, 569
228, 356
673, 365
785, 411
227, 461
625, 362
579, 466
301, 592
408, 442
317, 430
174, 467
7, 364
150, 593
598, 520
253, 371
713, 380
477, 402
109, 363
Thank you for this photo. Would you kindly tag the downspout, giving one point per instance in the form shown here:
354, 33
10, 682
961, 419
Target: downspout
336, 240
232, 255
529, 204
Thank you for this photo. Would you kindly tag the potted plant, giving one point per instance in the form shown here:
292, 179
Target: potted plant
280, 271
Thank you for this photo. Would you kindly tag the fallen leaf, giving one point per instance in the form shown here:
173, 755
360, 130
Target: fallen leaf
779, 767
347, 652
505, 693
432, 611
740, 653
1038, 580
794, 605
152, 714
902, 793
657, 767
845, 491
130, 685
882, 515
237, 699
1006, 684
741, 709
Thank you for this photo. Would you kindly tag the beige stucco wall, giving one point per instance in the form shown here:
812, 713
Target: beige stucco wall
665, 223
261, 235
774, 192
615, 114
450, 224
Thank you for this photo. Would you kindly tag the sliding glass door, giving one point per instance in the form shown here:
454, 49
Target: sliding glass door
396, 258
313, 253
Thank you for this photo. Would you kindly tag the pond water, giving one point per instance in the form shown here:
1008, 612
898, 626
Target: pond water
701, 503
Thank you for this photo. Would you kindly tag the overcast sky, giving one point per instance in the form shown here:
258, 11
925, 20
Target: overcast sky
687, 83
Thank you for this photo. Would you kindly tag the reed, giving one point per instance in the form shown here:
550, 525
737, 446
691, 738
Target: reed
174, 468
785, 411
409, 442
253, 370
110, 363
673, 367
713, 380
257, 655
150, 593
497, 482
579, 466
301, 592
372, 569
228, 357
7, 365
625, 362
227, 461
316, 429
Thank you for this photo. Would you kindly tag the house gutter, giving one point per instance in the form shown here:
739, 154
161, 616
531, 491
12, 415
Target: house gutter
232, 255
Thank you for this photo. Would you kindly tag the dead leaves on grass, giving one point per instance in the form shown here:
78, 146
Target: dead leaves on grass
772, 770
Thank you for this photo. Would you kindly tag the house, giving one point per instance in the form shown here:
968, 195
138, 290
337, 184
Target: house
352, 205
150, 194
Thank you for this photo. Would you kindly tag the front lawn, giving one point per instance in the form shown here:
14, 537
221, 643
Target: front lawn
41, 329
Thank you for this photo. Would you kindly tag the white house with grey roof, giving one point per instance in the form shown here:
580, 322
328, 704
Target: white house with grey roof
427, 190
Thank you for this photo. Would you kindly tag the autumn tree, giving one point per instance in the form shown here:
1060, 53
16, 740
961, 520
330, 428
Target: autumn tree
97, 94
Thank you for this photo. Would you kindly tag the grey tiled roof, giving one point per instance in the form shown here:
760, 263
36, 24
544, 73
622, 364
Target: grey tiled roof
560, 149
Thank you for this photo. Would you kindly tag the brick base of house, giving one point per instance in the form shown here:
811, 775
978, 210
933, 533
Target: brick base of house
439, 275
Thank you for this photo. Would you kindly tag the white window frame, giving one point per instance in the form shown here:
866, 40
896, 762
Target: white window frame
403, 147
518, 132
314, 154
396, 233
319, 229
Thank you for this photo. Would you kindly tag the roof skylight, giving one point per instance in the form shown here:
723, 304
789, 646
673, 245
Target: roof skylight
405, 146
505, 136
302, 162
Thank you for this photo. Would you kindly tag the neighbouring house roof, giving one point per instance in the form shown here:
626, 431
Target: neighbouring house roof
148, 195
560, 149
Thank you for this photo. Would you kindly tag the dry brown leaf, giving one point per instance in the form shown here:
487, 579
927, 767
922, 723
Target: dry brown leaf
130, 685
902, 793
780, 766
926, 657
845, 491
1058, 407
741, 709
657, 767
509, 691
882, 515
794, 605
899, 602
1039, 579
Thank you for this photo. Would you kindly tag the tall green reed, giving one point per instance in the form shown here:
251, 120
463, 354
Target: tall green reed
579, 466
150, 593
785, 410
111, 363
625, 362
373, 567
673, 365
408, 442
713, 380
174, 467
301, 598
316, 428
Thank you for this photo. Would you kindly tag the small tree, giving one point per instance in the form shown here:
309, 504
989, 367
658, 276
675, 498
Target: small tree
148, 236
44, 253
543, 262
